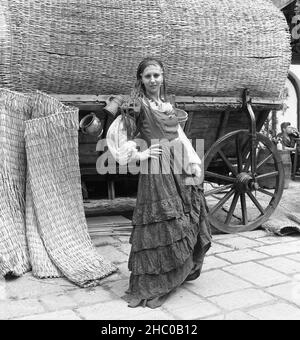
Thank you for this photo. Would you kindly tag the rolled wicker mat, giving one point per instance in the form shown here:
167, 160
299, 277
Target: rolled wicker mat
54, 241
14, 110
42, 266
287, 224
41, 105
54, 177
94, 46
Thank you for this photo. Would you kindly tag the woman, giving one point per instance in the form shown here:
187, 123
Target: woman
171, 234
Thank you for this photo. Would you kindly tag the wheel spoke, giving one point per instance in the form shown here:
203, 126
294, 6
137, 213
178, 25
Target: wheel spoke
232, 208
269, 175
227, 162
248, 164
222, 177
246, 150
244, 209
233, 205
257, 204
265, 192
249, 159
218, 190
264, 161
222, 201
239, 155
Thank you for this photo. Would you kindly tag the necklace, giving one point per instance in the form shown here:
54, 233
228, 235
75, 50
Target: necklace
158, 103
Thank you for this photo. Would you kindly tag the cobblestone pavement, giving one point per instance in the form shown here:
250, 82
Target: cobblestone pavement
249, 276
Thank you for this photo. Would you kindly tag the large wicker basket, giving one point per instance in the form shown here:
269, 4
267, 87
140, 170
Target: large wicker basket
94, 46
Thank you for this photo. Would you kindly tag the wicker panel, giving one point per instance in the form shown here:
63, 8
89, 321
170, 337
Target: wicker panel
94, 46
49, 234
41, 105
14, 257
54, 177
42, 265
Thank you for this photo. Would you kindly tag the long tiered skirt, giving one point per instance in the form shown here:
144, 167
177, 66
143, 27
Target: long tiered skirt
171, 235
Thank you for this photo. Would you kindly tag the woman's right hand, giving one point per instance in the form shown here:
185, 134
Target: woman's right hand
153, 152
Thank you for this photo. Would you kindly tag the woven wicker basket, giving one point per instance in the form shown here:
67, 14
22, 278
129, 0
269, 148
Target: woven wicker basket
94, 46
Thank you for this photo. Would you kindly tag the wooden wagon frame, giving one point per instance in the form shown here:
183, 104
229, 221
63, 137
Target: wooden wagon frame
234, 172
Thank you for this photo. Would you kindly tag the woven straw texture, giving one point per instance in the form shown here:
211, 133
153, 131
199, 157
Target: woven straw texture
49, 233
42, 266
41, 105
214, 48
14, 110
286, 224
55, 181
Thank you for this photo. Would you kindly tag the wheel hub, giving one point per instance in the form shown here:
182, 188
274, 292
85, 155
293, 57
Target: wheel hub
244, 183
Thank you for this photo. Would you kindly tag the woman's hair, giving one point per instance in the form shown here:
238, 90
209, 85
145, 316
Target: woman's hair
139, 92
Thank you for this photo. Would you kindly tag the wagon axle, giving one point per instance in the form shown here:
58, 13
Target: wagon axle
245, 183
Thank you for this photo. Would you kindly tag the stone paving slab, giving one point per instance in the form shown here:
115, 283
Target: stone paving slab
218, 249
212, 262
295, 257
283, 265
112, 253
277, 239
30, 287
257, 274
60, 315
255, 234
216, 238
182, 298
240, 243
195, 312
247, 276
216, 282
289, 291
17, 308
112, 310
279, 311
124, 271
90, 296
244, 255
242, 299
238, 315
281, 249
58, 302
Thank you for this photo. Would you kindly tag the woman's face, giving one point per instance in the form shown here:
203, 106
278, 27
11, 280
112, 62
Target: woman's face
152, 78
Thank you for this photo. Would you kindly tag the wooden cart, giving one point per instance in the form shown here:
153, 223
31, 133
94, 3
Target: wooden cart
235, 174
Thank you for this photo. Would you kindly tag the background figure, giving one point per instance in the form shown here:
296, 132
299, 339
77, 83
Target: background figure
287, 139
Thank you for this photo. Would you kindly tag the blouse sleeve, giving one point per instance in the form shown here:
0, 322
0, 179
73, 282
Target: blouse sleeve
122, 149
191, 156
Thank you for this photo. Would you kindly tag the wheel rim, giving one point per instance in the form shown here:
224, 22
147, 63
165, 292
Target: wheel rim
238, 199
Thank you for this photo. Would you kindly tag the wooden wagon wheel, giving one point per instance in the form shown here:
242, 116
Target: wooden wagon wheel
240, 199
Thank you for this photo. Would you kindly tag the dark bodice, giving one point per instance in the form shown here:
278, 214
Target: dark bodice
155, 124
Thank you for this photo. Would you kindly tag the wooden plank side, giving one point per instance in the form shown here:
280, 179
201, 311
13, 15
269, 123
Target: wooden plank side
178, 99
88, 153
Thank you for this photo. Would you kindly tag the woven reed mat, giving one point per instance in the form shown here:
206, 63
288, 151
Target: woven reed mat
54, 241
55, 182
283, 225
41, 105
14, 110
42, 266
213, 48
